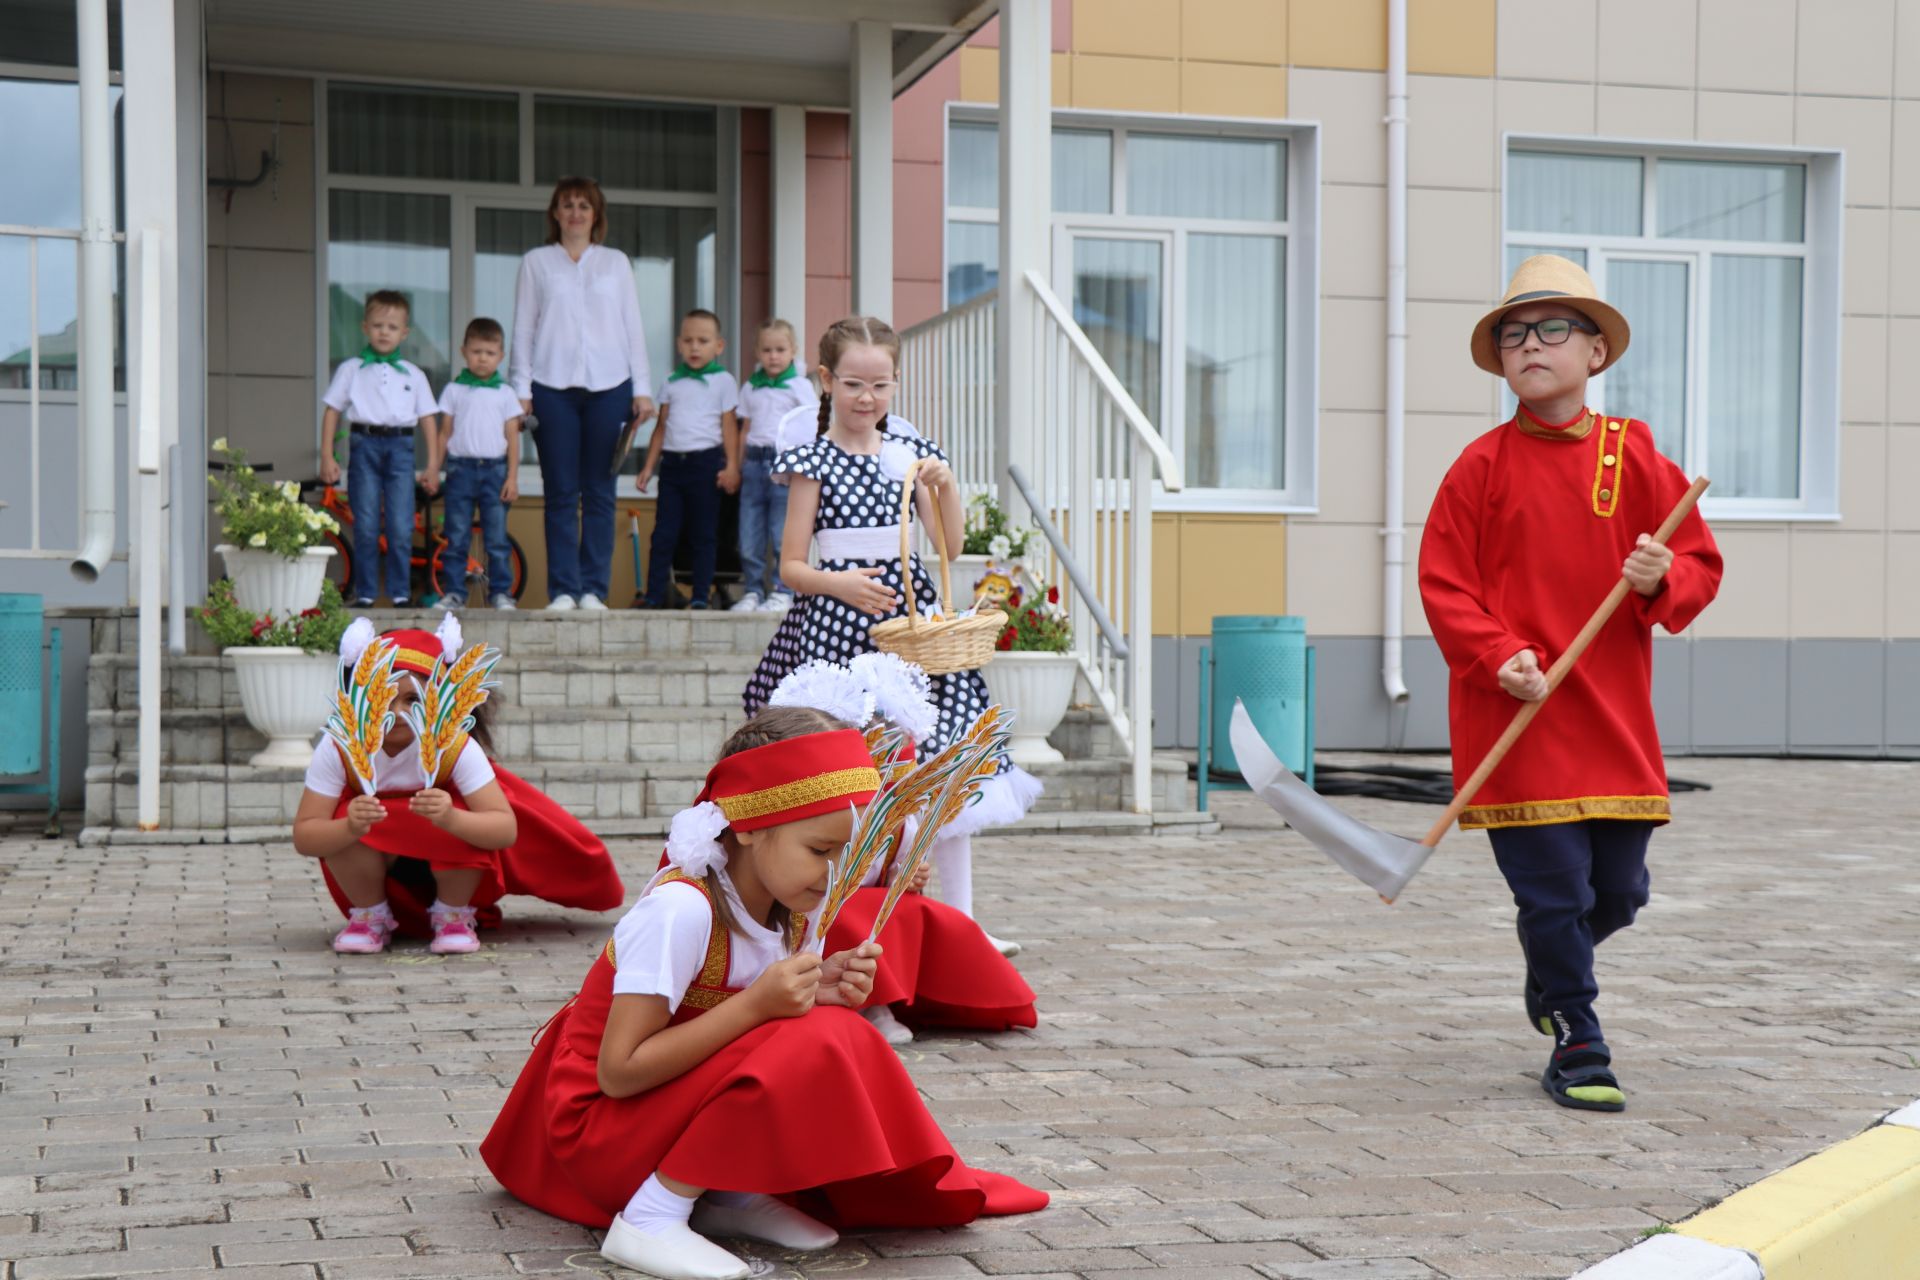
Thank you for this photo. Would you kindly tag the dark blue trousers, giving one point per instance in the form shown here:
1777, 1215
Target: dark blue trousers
689, 507
1575, 883
578, 432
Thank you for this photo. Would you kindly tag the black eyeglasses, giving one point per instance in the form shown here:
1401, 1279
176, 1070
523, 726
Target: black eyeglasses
1553, 332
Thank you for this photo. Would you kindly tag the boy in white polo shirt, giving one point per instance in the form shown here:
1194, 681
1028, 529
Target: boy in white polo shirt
695, 449
776, 388
384, 400
480, 439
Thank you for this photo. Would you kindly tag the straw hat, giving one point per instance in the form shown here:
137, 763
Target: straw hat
1548, 277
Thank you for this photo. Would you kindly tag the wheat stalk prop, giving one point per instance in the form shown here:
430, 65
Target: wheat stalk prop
362, 710
447, 707
963, 767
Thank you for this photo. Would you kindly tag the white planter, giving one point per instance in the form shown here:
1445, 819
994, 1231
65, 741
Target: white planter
264, 582
285, 692
1036, 688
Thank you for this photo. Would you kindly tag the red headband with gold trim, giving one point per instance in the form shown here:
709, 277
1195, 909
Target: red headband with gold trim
797, 778
416, 651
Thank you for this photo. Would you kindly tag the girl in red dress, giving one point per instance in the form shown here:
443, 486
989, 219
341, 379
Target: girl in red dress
712, 1062
432, 857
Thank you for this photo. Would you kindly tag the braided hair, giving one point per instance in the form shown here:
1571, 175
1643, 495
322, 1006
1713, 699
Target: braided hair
854, 331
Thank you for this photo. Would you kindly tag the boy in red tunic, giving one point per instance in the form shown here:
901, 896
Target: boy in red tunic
1531, 527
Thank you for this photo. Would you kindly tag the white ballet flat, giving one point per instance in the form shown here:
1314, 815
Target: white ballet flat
891, 1029
676, 1253
1005, 948
773, 1221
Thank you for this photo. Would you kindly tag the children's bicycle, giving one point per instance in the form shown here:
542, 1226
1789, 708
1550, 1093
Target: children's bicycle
429, 577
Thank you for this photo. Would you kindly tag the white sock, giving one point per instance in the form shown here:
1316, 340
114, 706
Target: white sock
378, 913
440, 908
953, 860
654, 1208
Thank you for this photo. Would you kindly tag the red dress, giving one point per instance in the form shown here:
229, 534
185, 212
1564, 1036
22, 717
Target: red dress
936, 963
817, 1109
1526, 537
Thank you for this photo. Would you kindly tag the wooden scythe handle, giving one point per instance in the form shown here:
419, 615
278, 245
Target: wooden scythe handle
1555, 674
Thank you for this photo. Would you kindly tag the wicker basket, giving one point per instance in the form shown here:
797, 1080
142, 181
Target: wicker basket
939, 646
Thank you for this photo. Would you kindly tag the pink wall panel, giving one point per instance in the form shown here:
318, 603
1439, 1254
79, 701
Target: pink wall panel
914, 301
829, 217
919, 212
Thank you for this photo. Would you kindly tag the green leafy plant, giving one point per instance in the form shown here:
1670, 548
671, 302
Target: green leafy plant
262, 516
1039, 625
317, 630
986, 524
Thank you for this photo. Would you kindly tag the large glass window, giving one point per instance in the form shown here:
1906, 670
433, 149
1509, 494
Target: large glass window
628, 145
382, 132
383, 240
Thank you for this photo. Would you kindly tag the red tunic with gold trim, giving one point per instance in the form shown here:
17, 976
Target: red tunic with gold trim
1527, 535
816, 1108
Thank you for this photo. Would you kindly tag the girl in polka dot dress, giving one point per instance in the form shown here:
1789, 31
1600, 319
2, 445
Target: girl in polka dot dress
845, 493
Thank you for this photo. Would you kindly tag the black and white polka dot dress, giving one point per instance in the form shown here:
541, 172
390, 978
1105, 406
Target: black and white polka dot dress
856, 494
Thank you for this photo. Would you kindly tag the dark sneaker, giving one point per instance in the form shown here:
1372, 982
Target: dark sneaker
1581, 1076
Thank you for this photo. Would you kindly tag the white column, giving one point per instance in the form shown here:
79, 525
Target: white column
872, 98
1026, 201
96, 296
789, 203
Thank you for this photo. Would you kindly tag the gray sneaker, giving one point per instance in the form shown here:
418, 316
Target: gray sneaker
503, 601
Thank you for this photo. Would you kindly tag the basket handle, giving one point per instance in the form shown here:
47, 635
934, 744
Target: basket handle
906, 554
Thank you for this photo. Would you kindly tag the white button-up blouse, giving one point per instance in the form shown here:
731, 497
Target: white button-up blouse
577, 324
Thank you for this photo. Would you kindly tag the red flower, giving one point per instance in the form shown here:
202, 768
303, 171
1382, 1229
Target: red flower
260, 626
1032, 616
1013, 599
310, 613
1005, 641
1053, 595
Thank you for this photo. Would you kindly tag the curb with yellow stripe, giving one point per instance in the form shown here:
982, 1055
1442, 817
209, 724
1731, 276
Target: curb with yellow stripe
1851, 1212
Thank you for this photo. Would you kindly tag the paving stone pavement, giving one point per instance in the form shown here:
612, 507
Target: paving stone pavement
1246, 1065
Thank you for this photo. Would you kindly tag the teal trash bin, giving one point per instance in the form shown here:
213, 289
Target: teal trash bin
21, 621
1266, 663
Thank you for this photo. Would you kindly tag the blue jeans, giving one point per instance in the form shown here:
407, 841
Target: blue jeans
763, 514
576, 439
380, 478
1576, 883
475, 483
689, 503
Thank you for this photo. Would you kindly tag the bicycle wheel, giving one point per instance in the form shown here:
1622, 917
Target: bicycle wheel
342, 564
519, 559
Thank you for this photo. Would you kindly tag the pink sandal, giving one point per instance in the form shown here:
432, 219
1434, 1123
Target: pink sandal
367, 932
453, 933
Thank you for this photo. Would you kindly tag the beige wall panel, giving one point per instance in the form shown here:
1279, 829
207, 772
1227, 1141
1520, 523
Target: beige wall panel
1062, 80
1540, 106
1863, 370
1629, 112
277, 214
1451, 239
1413, 612
1903, 470
1864, 476
1648, 42
1353, 366
1747, 44
239, 95
1906, 55
1350, 106
1861, 125
274, 419
217, 309
1353, 229
1903, 374
1434, 441
1866, 267
1846, 47
1906, 163
1131, 28
1233, 30
1232, 89
1352, 467
270, 313
1903, 261
1441, 377
1333, 577
1547, 40
1451, 37
1166, 574
979, 74
217, 410
1337, 33
1763, 118
1903, 566
1106, 83
1230, 564
1450, 136
1753, 593
1839, 584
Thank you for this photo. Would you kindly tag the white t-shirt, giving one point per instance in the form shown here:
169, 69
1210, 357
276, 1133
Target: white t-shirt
380, 395
480, 418
764, 407
402, 773
577, 324
660, 945
695, 406
802, 426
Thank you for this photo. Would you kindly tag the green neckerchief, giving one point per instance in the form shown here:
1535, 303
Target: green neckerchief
763, 380
466, 379
682, 371
369, 356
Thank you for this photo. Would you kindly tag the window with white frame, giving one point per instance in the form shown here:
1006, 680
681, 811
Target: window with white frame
1174, 243
1725, 265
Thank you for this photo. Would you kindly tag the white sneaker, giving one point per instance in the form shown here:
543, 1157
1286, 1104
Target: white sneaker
778, 602
1005, 948
891, 1029
504, 602
592, 603
560, 604
677, 1252
766, 1219
747, 603
447, 604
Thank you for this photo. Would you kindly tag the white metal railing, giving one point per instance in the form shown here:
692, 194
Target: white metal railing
946, 388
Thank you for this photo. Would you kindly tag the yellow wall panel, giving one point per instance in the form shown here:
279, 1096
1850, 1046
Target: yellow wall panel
979, 74
1062, 79
1101, 82
1229, 564
1234, 31
1166, 574
1228, 89
1349, 34
1450, 37
1131, 28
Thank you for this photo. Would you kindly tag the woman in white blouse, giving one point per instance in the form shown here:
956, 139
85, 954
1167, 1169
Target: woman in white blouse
579, 365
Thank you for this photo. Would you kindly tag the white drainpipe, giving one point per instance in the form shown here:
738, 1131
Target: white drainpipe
96, 297
1394, 532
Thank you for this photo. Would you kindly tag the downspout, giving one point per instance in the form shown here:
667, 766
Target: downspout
1394, 532
96, 297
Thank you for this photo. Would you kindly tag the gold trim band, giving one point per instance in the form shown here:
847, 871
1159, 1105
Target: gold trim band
1539, 813
801, 791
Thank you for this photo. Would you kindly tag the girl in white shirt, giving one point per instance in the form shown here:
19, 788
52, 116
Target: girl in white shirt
579, 365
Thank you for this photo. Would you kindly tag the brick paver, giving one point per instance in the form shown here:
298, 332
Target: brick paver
1246, 1066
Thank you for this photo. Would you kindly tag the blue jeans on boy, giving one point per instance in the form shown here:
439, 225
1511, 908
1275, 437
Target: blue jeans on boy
576, 438
1575, 883
689, 502
474, 483
763, 514
380, 477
